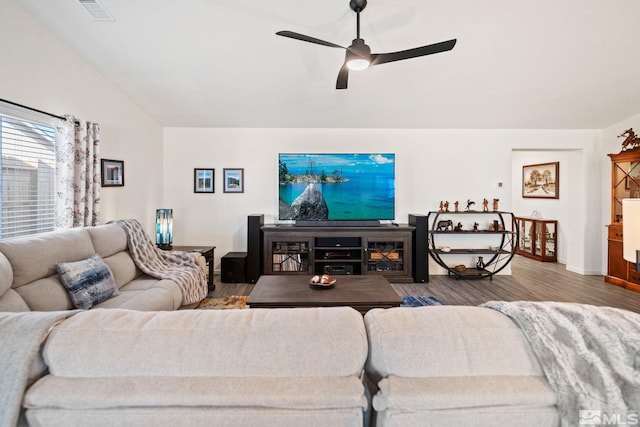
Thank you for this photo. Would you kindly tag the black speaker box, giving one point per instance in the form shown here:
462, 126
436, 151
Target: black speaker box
254, 267
232, 267
420, 256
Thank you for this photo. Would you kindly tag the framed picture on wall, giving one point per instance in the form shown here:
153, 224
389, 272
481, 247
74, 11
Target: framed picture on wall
203, 180
541, 181
112, 173
233, 180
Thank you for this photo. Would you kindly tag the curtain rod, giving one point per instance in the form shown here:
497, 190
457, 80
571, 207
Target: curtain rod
33, 109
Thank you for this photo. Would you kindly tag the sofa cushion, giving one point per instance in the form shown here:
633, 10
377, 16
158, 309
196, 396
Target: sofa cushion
437, 393
311, 342
188, 416
12, 301
123, 268
108, 239
155, 391
6, 274
443, 341
88, 282
147, 294
46, 294
35, 257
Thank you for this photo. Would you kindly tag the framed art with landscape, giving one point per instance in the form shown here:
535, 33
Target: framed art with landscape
203, 181
233, 180
541, 181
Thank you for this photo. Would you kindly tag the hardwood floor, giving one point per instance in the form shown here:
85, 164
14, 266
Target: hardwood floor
530, 281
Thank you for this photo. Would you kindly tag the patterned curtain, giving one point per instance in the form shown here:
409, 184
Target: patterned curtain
77, 173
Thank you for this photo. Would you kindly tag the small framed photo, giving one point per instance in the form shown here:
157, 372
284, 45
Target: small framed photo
233, 180
541, 181
203, 181
112, 173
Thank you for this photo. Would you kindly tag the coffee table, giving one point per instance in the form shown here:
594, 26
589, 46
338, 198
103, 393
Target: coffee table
360, 292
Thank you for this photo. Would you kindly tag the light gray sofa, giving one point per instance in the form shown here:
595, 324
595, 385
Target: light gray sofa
430, 366
258, 367
454, 366
29, 279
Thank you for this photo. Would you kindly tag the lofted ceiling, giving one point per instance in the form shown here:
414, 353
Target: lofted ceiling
546, 64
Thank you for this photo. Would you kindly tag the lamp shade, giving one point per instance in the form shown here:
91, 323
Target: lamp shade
631, 229
164, 228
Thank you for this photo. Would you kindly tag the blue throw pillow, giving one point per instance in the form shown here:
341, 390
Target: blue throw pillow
88, 282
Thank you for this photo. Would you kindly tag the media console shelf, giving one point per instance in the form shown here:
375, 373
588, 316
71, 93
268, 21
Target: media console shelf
462, 238
385, 250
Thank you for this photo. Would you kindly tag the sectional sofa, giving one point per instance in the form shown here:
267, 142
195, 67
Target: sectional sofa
428, 366
29, 279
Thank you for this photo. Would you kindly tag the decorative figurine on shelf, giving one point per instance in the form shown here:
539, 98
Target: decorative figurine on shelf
441, 207
485, 205
495, 205
631, 141
475, 226
458, 227
480, 263
445, 225
446, 206
456, 206
469, 204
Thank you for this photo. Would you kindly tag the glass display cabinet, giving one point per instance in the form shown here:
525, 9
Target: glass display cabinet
537, 238
625, 184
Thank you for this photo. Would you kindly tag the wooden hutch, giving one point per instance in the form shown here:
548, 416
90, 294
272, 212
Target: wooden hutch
625, 183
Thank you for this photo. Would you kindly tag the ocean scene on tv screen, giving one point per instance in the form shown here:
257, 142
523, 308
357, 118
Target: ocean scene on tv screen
336, 187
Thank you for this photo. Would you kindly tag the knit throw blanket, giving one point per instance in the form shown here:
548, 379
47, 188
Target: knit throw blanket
178, 266
21, 335
590, 355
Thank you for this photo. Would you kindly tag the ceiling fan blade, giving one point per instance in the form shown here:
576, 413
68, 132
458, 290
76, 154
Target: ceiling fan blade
381, 58
343, 77
309, 39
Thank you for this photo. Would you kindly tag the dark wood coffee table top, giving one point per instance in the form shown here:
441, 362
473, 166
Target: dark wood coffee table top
360, 292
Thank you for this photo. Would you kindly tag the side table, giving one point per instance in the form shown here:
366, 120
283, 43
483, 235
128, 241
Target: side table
207, 253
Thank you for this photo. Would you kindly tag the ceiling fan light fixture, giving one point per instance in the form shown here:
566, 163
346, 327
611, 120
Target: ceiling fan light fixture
358, 56
358, 64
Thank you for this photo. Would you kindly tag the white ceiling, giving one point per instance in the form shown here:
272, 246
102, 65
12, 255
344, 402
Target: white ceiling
545, 64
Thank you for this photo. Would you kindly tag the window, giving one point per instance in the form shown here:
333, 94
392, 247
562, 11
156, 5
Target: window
27, 172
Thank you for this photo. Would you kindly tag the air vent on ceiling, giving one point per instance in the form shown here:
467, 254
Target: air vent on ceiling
96, 10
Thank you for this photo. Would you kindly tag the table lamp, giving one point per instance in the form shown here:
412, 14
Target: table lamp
631, 231
164, 228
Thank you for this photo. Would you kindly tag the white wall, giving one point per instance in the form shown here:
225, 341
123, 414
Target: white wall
431, 165
39, 71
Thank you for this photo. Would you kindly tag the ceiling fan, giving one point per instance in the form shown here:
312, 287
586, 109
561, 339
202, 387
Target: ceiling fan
359, 57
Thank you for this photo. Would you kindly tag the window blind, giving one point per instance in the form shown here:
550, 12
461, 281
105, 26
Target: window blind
27, 172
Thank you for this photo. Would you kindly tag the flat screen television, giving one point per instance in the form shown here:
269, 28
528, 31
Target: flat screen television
355, 187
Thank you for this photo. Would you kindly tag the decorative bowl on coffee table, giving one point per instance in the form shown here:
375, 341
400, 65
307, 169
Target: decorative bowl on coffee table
322, 282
